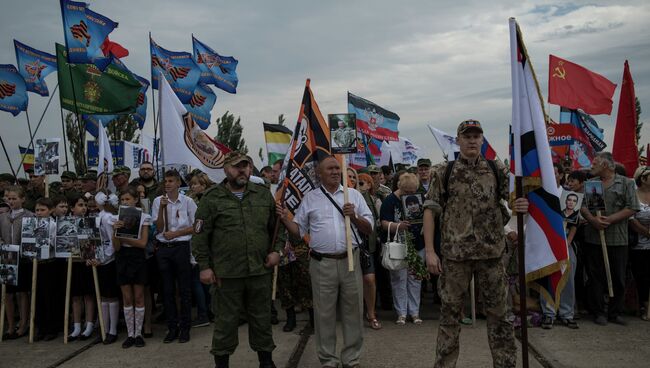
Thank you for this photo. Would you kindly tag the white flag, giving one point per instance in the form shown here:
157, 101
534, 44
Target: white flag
446, 142
105, 160
182, 141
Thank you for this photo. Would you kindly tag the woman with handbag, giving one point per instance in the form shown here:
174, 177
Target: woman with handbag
405, 286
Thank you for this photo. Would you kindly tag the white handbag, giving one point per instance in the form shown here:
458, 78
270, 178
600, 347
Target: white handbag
393, 253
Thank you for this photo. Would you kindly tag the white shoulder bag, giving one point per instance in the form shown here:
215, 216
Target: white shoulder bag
393, 255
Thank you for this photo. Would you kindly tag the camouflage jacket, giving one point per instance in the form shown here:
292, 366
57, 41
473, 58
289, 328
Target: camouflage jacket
383, 192
233, 236
471, 220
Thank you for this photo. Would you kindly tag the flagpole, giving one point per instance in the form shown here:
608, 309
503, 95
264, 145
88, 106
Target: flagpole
156, 147
29, 127
7, 155
521, 250
283, 189
65, 141
38, 125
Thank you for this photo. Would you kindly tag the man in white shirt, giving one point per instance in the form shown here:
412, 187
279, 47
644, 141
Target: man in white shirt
332, 284
174, 215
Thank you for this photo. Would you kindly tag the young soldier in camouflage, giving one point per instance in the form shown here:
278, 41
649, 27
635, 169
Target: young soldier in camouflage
472, 243
232, 246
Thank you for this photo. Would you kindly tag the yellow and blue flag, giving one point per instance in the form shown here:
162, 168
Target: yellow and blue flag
13, 90
201, 105
85, 32
34, 66
215, 69
179, 69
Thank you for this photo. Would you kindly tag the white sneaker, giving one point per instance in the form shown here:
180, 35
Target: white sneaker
401, 320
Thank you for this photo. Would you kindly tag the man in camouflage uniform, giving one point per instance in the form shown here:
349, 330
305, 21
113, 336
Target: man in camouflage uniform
376, 174
234, 225
294, 288
472, 244
344, 136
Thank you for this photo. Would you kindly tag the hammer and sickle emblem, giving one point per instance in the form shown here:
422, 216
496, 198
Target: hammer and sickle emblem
559, 71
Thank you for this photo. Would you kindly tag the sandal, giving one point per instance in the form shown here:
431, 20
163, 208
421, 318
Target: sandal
374, 323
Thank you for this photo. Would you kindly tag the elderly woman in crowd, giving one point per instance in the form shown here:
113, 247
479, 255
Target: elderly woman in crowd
640, 253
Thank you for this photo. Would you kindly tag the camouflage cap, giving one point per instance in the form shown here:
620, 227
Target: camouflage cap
424, 162
7, 177
69, 175
469, 125
373, 169
400, 167
122, 170
234, 157
89, 175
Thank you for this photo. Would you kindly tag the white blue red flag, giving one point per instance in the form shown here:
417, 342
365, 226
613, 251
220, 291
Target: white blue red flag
451, 150
545, 246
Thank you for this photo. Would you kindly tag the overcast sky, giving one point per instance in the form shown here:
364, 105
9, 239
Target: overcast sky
431, 62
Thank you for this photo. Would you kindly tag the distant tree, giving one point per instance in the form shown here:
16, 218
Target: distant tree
281, 119
123, 128
230, 131
77, 142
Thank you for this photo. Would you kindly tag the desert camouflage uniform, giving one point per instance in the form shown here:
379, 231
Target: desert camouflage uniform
473, 242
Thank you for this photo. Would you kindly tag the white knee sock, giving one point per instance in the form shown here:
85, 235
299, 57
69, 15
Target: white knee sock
139, 318
128, 319
76, 330
114, 312
89, 329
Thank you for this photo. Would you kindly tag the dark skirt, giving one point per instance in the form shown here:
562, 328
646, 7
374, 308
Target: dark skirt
24, 277
82, 280
131, 266
107, 277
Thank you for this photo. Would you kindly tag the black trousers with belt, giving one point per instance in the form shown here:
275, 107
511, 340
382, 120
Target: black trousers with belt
175, 268
598, 281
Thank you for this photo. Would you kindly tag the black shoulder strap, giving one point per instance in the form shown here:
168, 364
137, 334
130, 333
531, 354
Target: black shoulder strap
336, 205
493, 166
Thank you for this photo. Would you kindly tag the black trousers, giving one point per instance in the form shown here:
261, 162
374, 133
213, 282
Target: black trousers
640, 259
175, 268
50, 291
598, 280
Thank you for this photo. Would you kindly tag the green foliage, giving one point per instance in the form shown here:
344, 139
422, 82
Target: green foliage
230, 131
639, 125
281, 119
123, 128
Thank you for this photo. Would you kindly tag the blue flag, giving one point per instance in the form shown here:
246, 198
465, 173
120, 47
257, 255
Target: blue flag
179, 69
201, 105
85, 31
215, 69
34, 66
92, 122
140, 114
13, 90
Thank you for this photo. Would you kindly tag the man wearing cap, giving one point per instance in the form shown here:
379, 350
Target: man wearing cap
232, 245
121, 175
377, 176
67, 182
424, 173
6, 180
89, 182
469, 204
174, 215
35, 189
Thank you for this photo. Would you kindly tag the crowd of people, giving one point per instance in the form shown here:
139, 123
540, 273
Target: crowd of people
215, 246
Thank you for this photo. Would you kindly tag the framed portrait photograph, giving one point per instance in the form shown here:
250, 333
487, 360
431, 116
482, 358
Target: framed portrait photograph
413, 207
9, 254
594, 195
343, 133
46, 161
67, 238
570, 203
131, 216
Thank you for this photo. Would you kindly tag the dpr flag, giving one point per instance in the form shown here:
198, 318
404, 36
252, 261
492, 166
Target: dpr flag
179, 69
546, 251
373, 119
13, 90
34, 66
215, 69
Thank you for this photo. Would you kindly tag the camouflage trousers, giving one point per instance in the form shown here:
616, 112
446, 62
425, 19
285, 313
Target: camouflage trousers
294, 285
453, 285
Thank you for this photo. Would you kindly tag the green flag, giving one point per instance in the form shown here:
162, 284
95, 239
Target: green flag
114, 91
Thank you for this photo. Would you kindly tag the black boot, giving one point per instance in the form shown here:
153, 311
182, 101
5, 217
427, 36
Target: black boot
221, 361
266, 359
274, 314
311, 317
291, 320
